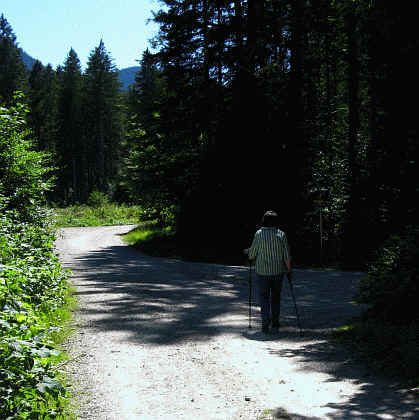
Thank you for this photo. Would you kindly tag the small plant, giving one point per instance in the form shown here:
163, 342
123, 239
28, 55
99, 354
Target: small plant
97, 199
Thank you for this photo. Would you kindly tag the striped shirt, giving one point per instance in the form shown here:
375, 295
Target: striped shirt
270, 249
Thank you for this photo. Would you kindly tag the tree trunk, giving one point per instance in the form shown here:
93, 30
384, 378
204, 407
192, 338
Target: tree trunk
352, 250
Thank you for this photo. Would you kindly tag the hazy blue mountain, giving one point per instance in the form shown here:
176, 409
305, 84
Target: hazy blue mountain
27, 60
127, 76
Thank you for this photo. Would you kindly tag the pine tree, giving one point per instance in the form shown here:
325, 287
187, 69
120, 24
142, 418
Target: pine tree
35, 97
152, 156
103, 124
12, 69
70, 148
42, 100
49, 137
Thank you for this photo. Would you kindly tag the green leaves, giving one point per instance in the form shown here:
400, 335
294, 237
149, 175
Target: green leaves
49, 385
32, 283
390, 286
32, 286
25, 175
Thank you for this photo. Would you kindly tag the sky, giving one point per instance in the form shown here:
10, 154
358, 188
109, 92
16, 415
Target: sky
47, 29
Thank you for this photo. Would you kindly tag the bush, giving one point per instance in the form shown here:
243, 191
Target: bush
390, 287
33, 286
32, 291
97, 199
385, 347
387, 334
25, 175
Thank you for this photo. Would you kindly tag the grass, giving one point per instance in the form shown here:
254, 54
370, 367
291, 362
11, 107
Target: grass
164, 242
153, 240
65, 315
105, 215
384, 347
60, 321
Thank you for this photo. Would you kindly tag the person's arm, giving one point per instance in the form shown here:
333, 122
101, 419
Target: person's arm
252, 251
287, 256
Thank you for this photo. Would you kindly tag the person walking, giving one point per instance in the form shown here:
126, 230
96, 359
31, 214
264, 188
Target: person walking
271, 255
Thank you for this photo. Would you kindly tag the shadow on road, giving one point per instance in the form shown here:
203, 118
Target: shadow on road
378, 397
166, 302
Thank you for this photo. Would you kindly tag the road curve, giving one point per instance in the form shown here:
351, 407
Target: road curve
166, 339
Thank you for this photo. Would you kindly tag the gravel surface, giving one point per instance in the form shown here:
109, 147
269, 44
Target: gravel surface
166, 339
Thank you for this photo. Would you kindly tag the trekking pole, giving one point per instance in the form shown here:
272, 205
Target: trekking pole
289, 277
250, 293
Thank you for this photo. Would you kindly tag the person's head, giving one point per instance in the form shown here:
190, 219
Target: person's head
270, 219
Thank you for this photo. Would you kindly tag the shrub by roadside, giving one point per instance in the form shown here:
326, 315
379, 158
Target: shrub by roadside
106, 214
387, 335
33, 289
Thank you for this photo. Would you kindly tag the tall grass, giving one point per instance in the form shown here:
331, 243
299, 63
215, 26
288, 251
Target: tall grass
108, 214
154, 240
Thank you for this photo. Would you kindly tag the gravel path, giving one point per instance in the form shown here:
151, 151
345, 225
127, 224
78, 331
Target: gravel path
166, 339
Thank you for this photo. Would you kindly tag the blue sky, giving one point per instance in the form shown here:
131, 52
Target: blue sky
47, 29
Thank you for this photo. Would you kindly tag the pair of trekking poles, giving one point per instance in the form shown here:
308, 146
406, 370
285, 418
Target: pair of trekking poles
291, 287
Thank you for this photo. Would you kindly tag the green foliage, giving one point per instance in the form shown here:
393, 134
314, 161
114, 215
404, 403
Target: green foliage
33, 286
391, 285
42, 99
71, 147
12, 69
102, 119
32, 289
162, 165
104, 215
97, 199
154, 240
385, 347
387, 335
25, 175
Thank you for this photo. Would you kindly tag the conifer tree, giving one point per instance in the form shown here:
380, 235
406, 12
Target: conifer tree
103, 124
12, 69
70, 148
300, 96
150, 177
35, 98
50, 108
42, 100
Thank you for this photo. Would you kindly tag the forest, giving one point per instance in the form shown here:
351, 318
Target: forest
305, 107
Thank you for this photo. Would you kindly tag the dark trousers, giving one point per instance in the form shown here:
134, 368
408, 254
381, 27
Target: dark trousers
269, 289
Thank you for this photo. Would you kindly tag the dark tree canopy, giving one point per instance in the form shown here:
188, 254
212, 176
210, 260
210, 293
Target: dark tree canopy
12, 69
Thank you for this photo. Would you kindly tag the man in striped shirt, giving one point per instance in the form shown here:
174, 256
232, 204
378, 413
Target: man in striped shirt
272, 259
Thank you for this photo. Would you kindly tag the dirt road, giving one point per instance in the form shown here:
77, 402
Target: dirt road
165, 339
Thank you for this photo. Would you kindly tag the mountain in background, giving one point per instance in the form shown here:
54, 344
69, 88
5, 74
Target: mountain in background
126, 76
27, 60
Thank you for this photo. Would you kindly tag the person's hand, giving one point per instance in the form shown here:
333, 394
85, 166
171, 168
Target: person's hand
246, 251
